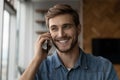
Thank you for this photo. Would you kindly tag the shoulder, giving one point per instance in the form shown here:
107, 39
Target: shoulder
97, 59
47, 63
45, 67
98, 63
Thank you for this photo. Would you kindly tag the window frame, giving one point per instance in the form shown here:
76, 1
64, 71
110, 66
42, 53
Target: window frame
6, 5
1, 33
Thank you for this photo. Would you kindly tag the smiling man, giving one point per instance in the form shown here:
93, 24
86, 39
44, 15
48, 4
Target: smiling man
68, 62
64, 32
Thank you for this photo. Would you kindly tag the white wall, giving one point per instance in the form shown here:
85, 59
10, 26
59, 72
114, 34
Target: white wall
25, 33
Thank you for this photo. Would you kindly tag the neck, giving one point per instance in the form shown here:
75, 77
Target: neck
70, 58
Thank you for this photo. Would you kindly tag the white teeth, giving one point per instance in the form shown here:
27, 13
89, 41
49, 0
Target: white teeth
63, 41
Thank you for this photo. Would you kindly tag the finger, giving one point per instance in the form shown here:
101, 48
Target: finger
42, 40
44, 35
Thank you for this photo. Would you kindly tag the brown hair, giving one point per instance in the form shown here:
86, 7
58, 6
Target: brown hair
62, 9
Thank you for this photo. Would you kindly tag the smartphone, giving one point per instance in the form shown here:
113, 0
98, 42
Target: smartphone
47, 45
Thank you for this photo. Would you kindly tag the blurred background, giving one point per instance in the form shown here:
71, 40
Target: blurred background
22, 21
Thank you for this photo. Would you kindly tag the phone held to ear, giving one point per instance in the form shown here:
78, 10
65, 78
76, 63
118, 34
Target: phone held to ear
47, 45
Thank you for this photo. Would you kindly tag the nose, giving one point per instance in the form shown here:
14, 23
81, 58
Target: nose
61, 33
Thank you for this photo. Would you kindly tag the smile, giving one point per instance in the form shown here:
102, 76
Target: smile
63, 41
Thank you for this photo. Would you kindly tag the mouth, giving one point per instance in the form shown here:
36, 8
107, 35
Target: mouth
63, 42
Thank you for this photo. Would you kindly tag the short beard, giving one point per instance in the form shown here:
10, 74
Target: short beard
71, 46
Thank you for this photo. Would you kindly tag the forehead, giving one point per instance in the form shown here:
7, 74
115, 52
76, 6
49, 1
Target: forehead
61, 19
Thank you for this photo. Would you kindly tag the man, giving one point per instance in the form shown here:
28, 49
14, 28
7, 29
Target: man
68, 62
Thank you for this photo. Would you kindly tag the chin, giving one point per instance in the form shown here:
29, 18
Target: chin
64, 50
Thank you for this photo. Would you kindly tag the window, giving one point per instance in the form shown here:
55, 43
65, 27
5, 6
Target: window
8, 37
5, 47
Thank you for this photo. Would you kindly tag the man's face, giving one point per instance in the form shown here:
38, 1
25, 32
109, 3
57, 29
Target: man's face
64, 33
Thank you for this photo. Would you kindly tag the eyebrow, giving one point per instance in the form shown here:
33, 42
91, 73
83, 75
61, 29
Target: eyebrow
52, 26
62, 24
68, 24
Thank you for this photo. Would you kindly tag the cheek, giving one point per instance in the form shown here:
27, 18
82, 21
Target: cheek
73, 33
52, 35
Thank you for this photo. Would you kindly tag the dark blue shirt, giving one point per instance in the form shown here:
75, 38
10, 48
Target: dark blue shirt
88, 67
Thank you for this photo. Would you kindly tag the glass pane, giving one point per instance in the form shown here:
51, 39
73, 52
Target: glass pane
5, 46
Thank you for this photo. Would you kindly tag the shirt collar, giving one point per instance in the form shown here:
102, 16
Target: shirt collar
82, 61
56, 60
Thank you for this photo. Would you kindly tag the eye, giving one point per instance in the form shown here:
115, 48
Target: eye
53, 28
67, 26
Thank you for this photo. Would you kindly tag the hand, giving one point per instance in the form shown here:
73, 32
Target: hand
40, 52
